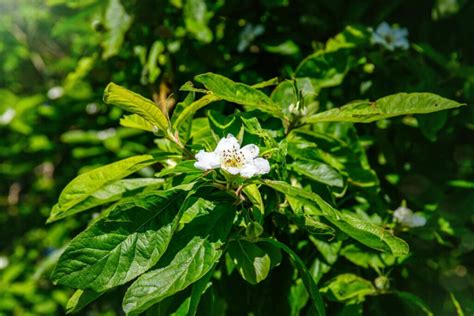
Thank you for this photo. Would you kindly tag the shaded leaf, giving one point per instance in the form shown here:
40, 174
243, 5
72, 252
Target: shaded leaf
308, 281
80, 299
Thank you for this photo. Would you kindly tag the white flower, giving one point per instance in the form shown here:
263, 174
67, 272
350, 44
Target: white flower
7, 116
55, 92
4, 262
406, 217
229, 156
390, 37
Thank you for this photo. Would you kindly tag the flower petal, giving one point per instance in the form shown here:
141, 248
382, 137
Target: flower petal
249, 151
249, 170
226, 144
206, 160
262, 165
384, 29
231, 170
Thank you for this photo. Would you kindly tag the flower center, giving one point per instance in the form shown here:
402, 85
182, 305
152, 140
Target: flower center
389, 39
232, 158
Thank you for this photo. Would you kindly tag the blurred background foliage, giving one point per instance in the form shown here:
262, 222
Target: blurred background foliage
56, 57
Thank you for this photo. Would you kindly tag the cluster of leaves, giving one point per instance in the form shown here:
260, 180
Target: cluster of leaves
338, 239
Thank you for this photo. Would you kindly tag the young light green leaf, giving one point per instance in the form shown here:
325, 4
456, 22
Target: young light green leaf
349, 288
136, 121
106, 194
191, 109
308, 281
318, 171
123, 245
135, 103
239, 93
80, 299
84, 186
389, 106
194, 251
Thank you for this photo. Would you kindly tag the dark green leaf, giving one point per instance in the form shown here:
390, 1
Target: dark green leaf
367, 233
193, 252
318, 171
80, 299
123, 245
304, 274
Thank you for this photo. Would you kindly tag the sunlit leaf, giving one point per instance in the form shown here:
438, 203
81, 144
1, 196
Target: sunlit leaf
392, 105
87, 189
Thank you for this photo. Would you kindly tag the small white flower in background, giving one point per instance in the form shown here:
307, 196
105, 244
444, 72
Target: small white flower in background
248, 34
107, 133
55, 93
4, 262
406, 217
391, 37
7, 116
229, 156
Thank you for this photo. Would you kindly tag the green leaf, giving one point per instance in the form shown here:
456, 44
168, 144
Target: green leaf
190, 305
136, 121
367, 233
193, 252
318, 171
123, 245
84, 190
239, 93
135, 103
415, 300
186, 166
252, 262
328, 68
108, 193
253, 194
389, 106
192, 108
80, 299
196, 18
117, 22
431, 124
308, 281
349, 288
